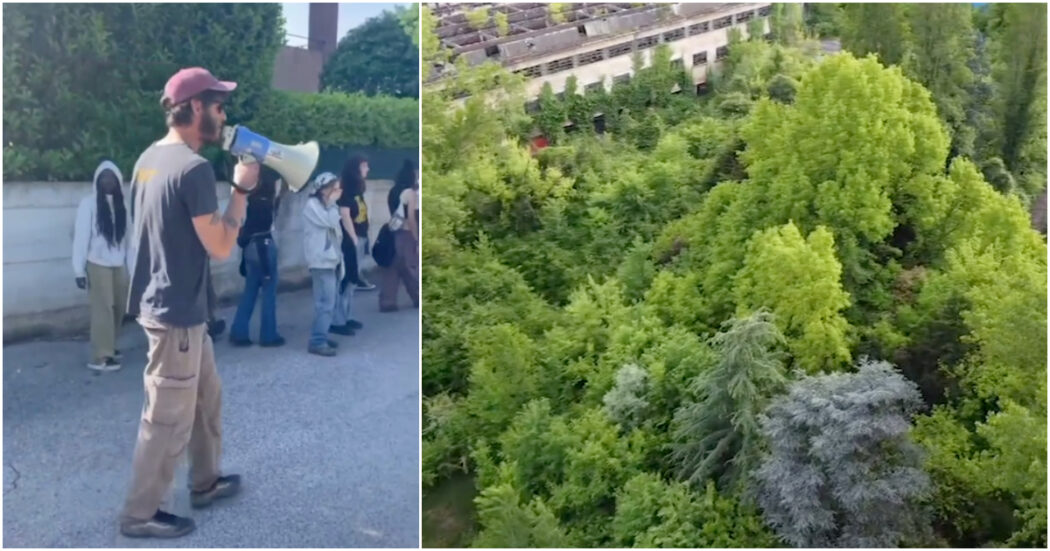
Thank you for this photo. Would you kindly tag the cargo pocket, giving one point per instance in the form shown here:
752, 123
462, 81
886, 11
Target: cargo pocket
171, 390
170, 407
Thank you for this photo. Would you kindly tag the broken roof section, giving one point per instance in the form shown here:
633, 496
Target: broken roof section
541, 29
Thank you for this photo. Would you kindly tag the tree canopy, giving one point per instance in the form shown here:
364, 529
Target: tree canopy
696, 326
378, 57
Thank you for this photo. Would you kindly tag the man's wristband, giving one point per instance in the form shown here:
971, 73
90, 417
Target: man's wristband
241, 190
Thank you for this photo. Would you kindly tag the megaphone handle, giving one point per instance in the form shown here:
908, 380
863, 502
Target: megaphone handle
247, 160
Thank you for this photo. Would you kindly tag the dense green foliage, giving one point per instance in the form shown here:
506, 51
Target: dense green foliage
985, 70
83, 82
655, 336
378, 57
335, 118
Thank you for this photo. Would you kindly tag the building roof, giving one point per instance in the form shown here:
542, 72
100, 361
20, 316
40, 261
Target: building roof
532, 29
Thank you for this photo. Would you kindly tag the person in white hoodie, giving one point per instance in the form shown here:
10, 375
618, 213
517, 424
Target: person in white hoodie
322, 245
102, 261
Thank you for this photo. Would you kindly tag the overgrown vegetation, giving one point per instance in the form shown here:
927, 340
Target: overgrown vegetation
790, 312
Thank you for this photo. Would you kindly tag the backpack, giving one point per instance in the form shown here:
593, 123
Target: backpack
384, 250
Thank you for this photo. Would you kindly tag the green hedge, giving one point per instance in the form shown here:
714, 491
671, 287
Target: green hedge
82, 83
339, 119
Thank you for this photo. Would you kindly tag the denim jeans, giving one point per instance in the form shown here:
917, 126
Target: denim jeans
258, 279
329, 306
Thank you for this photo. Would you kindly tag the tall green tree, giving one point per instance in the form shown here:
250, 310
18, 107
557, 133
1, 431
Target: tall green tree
718, 437
1020, 73
786, 23
880, 29
797, 279
376, 58
552, 115
942, 45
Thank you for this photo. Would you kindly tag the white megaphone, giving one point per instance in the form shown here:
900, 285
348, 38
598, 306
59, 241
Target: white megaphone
295, 163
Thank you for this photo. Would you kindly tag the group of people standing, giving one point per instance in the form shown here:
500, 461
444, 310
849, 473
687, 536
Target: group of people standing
335, 243
165, 237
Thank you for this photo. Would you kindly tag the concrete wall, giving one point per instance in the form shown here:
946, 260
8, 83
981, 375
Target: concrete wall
40, 297
298, 69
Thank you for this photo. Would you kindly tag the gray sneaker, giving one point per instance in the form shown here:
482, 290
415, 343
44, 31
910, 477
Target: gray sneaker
323, 350
162, 525
225, 486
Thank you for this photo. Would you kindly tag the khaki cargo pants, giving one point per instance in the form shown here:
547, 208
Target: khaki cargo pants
183, 407
108, 295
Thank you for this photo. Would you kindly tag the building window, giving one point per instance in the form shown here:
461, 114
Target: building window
622, 79
677, 34
560, 95
589, 57
723, 22
593, 87
648, 42
530, 72
700, 58
678, 64
721, 53
699, 28
763, 11
619, 50
532, 107
559, 65
744, 17
492, 51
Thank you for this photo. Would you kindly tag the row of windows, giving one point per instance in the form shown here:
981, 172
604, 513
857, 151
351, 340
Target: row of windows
625, 48
533, 107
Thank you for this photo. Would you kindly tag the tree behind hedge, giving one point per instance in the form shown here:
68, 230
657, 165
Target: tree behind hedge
378, 57
83, 81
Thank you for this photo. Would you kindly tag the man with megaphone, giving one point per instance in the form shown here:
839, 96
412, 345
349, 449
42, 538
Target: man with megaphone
177, 226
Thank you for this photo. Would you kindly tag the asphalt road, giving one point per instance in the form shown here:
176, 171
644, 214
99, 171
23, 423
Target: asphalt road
328, 447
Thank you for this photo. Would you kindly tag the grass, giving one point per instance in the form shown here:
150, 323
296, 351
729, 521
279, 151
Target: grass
448, 513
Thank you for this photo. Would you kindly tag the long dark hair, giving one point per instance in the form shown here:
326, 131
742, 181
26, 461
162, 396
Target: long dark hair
104, 218
405, 179
351, 175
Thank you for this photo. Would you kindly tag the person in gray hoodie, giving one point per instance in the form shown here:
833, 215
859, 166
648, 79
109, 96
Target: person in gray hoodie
102, 261
322, 245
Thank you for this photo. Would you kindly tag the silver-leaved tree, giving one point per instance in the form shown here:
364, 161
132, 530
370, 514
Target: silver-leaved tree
842, 470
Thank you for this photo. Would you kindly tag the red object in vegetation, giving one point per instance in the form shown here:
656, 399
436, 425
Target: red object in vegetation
538, 143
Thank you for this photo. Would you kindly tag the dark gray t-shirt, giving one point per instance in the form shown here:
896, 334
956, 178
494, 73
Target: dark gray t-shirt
170, 186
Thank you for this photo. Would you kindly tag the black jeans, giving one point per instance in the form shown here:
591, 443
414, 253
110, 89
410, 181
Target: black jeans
350, 260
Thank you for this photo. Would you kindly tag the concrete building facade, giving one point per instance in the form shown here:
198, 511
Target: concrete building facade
596, 42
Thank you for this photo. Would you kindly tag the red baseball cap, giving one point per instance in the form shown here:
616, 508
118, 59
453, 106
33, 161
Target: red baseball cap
187, 83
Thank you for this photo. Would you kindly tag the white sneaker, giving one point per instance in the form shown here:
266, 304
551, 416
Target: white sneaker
109, 364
